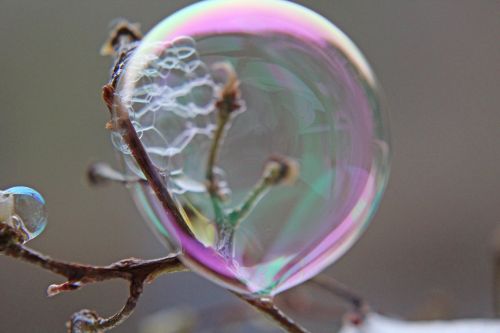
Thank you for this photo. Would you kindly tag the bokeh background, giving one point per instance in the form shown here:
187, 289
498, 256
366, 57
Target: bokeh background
429, 245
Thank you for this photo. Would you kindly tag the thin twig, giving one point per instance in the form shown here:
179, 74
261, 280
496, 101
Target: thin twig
89, 321
222, 122
229, 102
79, 275
256, 194
135, 292
278, 170
127, 269
101, 173
121, 122
138, 151
267, 307
226, 106
122, 40
212, 186
343, 292
136, 271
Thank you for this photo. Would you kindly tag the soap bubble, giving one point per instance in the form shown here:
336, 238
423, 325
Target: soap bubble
308, 95
24, 209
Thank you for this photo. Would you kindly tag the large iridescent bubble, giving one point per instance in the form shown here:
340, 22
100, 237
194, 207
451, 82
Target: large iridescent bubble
307, 94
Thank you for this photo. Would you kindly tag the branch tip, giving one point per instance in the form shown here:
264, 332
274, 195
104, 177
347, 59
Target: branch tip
281, 170
56, 289
122, 33
230, 96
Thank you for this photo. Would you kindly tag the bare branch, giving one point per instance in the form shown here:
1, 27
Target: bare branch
136, 271
343, 292
229, 102
120, 122
278, 170
267, 307
226, 105
78, 275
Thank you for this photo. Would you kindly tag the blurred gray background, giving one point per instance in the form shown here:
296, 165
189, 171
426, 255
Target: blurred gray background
438, 62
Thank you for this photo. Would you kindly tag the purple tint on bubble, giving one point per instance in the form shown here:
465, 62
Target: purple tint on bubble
309, 95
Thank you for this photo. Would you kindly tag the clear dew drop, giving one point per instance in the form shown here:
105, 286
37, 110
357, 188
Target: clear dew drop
24, 209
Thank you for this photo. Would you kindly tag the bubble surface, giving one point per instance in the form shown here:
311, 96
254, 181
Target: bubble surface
24, 209
307, 94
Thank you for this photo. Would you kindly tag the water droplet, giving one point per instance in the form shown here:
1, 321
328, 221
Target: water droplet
24, 209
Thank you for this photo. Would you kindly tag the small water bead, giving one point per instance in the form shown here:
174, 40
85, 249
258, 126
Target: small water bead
308, 94
24, 209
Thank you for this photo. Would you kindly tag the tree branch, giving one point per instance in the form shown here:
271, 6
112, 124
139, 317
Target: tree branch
267, 307
341, 291
78, 275
136, 271
130, 136
228, 103
89, 321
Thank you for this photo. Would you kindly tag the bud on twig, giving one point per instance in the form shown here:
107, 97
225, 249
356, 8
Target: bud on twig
122, 33
281, 170
230, 96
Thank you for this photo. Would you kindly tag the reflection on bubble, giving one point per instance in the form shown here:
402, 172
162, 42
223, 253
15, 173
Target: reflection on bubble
171, 102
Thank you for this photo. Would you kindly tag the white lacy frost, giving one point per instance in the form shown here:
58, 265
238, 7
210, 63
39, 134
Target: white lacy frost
375, 323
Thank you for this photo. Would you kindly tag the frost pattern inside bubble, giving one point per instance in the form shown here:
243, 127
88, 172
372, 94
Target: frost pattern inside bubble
171, 106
